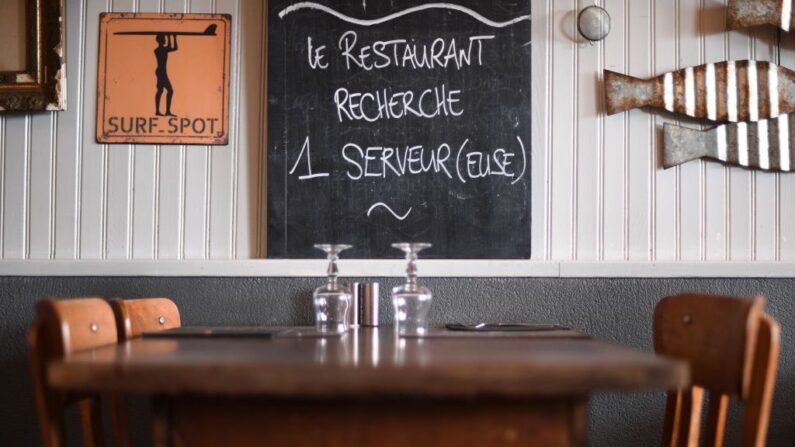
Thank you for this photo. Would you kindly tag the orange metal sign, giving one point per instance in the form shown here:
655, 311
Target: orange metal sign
163, 78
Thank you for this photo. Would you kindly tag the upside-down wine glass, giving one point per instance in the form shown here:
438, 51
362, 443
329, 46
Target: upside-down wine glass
411, 302
332, 300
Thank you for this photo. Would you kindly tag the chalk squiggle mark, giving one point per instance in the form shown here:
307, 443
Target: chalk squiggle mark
397, 216
364, 22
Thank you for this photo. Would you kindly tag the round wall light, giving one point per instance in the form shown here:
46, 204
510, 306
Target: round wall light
593, 23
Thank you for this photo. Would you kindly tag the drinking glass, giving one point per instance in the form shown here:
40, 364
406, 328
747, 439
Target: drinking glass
332, 300
411, 302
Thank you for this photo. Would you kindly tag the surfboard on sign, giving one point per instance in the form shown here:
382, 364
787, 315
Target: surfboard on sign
732, 91
209, 31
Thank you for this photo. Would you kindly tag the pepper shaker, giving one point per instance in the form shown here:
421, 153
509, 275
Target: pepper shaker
369, 296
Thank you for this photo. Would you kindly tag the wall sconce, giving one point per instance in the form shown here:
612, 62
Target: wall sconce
593, 23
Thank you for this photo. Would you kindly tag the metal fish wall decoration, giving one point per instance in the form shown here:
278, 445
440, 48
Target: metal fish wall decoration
732, 91
745, 13
765, 144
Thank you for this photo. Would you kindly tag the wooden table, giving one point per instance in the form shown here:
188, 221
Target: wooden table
368, 388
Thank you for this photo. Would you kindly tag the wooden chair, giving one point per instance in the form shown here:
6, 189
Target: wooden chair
133, 318
732, 348
63, 327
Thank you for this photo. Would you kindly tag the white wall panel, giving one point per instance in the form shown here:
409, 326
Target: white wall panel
613, 144
16, 150
39, 212
638, 138
196, 183
690, 182
715, 226
786, 184
739, 182
563, 194
665, 193
765, 205
541, 164
589, 145
68, 139
93, 156
599, 192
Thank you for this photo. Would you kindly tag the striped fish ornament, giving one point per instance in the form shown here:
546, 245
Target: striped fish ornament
766, 144
745, 13
732, 91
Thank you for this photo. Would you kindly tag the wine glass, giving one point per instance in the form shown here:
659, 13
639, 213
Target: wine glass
411, 302
332, 300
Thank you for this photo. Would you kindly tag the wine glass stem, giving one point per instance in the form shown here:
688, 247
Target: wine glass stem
411, 271
333, 271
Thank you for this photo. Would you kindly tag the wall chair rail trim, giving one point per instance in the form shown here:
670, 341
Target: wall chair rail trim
396, 268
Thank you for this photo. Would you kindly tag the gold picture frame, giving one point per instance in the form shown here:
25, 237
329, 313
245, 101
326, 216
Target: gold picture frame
41, 85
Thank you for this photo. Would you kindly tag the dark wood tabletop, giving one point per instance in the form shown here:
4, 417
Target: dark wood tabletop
367, 362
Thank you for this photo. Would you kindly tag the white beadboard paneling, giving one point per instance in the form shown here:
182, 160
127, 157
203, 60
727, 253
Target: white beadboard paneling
564, 130
224, 159
786, 186
68, 138
639, 137
613, 147
93, 156
765, 208
40, 186
588, 151
118, 202
541, 161
599, 192
16, 151
664, 196
690, 186
196, 165
739, 195
714, 240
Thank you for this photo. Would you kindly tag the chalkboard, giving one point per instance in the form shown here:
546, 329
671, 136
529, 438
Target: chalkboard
399, 121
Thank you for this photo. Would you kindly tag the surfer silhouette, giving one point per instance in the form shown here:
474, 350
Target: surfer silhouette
166, 43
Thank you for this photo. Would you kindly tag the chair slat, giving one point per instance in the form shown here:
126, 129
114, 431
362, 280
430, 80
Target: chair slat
757, 412
716, 419
683, 417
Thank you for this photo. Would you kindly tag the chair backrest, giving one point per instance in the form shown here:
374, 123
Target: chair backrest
63, 327
731, 347
136, 316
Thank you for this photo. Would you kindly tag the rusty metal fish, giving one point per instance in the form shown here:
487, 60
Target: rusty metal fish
731, 91
765, 144
745, 13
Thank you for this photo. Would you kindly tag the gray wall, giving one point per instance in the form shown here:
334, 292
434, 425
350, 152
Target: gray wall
617, 310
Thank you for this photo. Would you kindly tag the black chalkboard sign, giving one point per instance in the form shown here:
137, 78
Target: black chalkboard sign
395, 121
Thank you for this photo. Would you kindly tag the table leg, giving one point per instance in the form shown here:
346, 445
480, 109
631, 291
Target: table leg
397, 422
